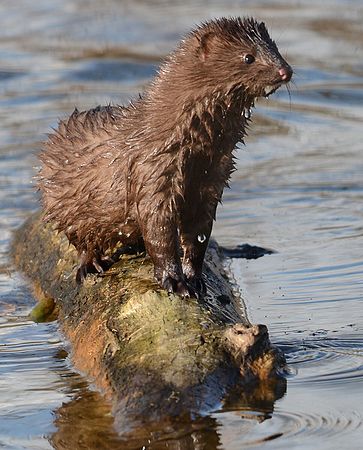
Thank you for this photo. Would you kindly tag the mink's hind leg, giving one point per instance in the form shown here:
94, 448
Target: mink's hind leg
130, 249
92, 263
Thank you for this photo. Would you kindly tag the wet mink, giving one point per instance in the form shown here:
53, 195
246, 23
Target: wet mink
153, 172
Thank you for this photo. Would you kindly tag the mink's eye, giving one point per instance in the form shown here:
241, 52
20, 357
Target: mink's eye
248, 59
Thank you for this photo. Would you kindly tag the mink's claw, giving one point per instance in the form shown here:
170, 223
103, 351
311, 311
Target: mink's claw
198, 286
96, 265
81, 273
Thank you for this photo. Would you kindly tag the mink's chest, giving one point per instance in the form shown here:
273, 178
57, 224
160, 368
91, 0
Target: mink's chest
209, 141
214, 127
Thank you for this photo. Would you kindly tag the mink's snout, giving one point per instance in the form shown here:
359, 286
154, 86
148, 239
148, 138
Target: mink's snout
286, 73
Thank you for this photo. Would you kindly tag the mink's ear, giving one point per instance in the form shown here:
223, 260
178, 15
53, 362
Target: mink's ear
204, 44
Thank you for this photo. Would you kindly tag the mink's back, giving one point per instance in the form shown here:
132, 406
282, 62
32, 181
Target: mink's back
83, 189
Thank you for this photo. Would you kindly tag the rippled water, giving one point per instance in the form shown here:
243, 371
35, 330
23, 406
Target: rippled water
298, 190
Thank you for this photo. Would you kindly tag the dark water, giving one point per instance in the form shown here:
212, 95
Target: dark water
298, 190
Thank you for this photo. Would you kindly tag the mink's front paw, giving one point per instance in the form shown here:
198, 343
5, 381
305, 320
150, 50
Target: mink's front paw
178, 286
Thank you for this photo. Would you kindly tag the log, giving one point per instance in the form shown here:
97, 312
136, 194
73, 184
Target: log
152, 354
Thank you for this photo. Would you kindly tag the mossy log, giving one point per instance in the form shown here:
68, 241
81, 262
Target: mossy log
152, 354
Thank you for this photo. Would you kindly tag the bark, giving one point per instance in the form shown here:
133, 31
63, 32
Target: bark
153, 355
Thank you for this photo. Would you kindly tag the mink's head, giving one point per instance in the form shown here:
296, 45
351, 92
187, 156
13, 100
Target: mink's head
236, 53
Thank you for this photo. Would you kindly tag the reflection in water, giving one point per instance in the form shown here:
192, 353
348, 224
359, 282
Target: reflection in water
84, 421
297, 191
87, 419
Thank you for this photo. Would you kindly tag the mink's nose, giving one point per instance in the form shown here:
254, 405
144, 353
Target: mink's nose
285, 73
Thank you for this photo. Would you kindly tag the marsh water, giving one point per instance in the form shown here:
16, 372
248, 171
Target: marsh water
298, 190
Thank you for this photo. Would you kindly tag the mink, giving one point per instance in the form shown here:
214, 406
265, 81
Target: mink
152, 173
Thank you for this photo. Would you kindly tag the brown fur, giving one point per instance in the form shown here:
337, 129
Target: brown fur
154, 171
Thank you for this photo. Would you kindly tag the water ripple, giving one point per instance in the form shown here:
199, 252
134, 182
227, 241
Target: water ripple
326, 362
286, 427
297, 423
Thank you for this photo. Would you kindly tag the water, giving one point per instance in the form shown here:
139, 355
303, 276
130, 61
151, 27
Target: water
298, 190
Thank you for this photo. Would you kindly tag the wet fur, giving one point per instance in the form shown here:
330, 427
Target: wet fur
154, 172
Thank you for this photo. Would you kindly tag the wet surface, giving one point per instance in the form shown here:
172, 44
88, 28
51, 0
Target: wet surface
298, 191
